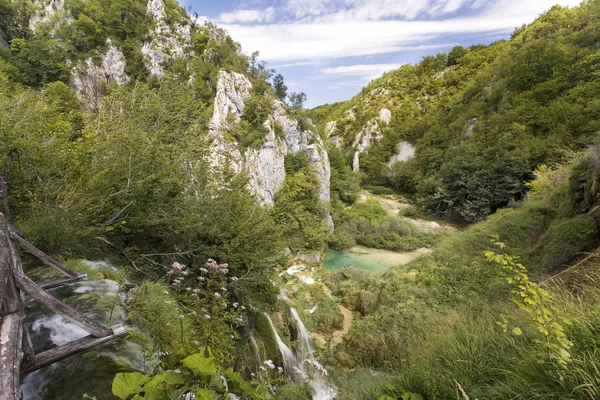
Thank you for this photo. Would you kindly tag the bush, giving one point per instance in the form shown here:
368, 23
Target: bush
381, 191
328, 317
563, 241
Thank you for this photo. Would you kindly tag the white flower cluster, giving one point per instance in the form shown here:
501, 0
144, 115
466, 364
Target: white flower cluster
316, 365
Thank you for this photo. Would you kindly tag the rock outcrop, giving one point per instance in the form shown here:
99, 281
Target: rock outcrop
264, 166
166, 42
46, 11
89, 78
369, 134
405, 152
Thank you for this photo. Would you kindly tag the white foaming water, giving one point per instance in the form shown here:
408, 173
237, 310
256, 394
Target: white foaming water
320, 388
62, 331
257, 357
104, 285
99, 264
306, 349
289, 359
307, 352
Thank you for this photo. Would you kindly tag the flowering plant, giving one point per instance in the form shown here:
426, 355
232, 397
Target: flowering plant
203, 296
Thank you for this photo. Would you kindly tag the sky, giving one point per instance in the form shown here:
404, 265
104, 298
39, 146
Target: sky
330, 49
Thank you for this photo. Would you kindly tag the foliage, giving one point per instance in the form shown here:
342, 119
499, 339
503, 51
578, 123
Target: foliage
297, 99
482, 118
537, 303
197, 374
368, 224
298, 210
327, 318
279, 87
38, 61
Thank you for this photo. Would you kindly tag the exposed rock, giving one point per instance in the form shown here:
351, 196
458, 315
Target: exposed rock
406, 151
385, 115
336, 140
114, 64
311, 258
265, 166
45, 13
331, 128
469, 129
88, 78
233, 90
166, 43
369, 134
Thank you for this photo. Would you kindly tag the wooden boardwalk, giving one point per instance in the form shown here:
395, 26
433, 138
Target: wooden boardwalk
16, 350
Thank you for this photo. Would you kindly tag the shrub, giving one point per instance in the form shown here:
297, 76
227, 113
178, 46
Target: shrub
328, 317
381, 191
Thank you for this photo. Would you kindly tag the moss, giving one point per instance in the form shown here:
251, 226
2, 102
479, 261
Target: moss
564, 241
263, 327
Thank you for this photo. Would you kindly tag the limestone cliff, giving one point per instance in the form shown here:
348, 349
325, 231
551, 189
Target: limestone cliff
265, 166
166, 41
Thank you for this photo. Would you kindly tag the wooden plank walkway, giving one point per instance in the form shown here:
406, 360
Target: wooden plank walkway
16, 351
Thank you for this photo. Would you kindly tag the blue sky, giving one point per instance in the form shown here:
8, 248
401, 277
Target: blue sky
330, 49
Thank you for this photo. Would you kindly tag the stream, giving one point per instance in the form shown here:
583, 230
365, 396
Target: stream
90, 372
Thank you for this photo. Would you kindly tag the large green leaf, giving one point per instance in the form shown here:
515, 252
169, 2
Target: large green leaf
237, 384
168, 377
204, 394
126, 384
204, 367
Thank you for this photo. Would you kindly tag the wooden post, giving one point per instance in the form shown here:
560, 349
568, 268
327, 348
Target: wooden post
11, 354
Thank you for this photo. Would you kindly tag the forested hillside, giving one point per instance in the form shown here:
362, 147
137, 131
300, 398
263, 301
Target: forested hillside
475, 123
139, 133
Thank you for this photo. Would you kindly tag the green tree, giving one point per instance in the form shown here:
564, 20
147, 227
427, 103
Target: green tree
279, 87
297, 99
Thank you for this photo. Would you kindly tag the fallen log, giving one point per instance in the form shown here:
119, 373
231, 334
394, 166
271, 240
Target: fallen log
54, 283
11, 354
31, 249
77, 346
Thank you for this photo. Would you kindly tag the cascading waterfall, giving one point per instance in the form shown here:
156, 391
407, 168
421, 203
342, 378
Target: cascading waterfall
257, 356
289, 359
305, 347
306, 352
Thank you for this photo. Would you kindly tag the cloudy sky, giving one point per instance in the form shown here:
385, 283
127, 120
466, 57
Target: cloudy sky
331, 48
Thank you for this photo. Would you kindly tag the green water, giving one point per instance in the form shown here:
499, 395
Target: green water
365, 258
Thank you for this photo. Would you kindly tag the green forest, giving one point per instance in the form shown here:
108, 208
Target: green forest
498, 210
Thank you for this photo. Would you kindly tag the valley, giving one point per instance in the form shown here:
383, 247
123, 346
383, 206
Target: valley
435, 236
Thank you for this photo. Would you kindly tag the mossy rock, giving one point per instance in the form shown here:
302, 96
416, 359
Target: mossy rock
563, 241
263, 327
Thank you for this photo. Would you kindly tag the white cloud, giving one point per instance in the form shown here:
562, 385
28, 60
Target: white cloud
366, 28
247, 16
296, 64
366, 70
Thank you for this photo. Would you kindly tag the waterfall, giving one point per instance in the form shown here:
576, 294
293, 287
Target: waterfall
289, 359
94, 370
306, 352
305, 347
257, 356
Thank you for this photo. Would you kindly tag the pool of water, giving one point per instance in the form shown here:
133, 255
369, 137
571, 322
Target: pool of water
368, 259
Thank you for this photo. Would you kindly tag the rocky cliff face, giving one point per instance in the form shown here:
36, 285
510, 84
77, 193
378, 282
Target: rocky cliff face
88, 78
265, 166
166, 42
